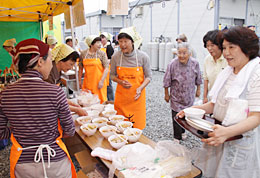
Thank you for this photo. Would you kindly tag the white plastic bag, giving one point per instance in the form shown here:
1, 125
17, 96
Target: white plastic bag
133, 155
174, 158
140, 160
86, 98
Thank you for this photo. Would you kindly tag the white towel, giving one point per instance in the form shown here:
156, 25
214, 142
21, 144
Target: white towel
103, 153
236, 112
239, 84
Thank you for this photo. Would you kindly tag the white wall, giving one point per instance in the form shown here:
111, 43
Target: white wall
237, 9
91, 27
233, 8
253, 16
195, 21
108, 21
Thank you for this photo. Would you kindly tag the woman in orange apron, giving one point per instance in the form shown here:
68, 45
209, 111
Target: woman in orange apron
32, 107
130, 68
96, 66
64, 58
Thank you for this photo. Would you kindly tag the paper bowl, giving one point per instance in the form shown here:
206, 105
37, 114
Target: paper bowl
89, 129
93, 113
116, 142
116, 118
98, 107
84, 120
100, 121
109, 113
130, 134
107, 131
194, 113
122, 125
109, 107
87, 108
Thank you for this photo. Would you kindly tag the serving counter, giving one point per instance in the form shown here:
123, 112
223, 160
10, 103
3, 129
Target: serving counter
97, 140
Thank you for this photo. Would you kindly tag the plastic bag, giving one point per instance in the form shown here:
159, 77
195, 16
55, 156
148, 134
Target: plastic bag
86, 98
174, 158
134, 155
168, 159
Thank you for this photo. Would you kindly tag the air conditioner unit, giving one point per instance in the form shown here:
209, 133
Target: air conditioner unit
139, 11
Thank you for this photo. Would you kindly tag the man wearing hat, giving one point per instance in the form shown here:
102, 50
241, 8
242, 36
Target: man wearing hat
130, 68
9, 46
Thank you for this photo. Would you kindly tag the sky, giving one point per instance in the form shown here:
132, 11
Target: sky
95, 5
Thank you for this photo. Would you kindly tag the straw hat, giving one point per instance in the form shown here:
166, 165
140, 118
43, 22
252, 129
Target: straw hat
131, 31
10, 42
90, 39
60, 52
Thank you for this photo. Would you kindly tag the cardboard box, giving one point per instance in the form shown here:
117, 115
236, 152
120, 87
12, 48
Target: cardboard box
90, 164
74, 145
81, 174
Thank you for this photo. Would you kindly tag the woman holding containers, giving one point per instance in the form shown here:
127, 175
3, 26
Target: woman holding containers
96, 66
130, 68
235, 103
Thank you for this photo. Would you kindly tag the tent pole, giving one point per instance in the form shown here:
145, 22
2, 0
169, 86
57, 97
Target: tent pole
73, 43
41, 29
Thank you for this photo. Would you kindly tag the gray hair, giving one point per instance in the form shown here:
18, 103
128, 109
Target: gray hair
184, 45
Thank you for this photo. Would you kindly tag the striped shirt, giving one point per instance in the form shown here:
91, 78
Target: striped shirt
32, 108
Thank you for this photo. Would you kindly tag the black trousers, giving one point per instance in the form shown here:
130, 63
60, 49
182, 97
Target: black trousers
177, 130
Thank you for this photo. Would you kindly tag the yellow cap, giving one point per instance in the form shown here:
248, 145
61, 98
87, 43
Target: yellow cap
60, 52
90, 39
131, 31
10, 42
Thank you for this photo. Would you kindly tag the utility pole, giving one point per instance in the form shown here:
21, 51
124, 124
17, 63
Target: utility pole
246, 23
178, 17
216, 14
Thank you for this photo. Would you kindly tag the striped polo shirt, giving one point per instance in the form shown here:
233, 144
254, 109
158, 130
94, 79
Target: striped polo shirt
32, 108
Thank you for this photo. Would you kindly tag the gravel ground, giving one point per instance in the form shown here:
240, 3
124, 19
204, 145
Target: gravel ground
159, 122
159, 118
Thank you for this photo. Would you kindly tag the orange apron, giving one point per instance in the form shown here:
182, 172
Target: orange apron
125, 104
93, 74
16, 153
